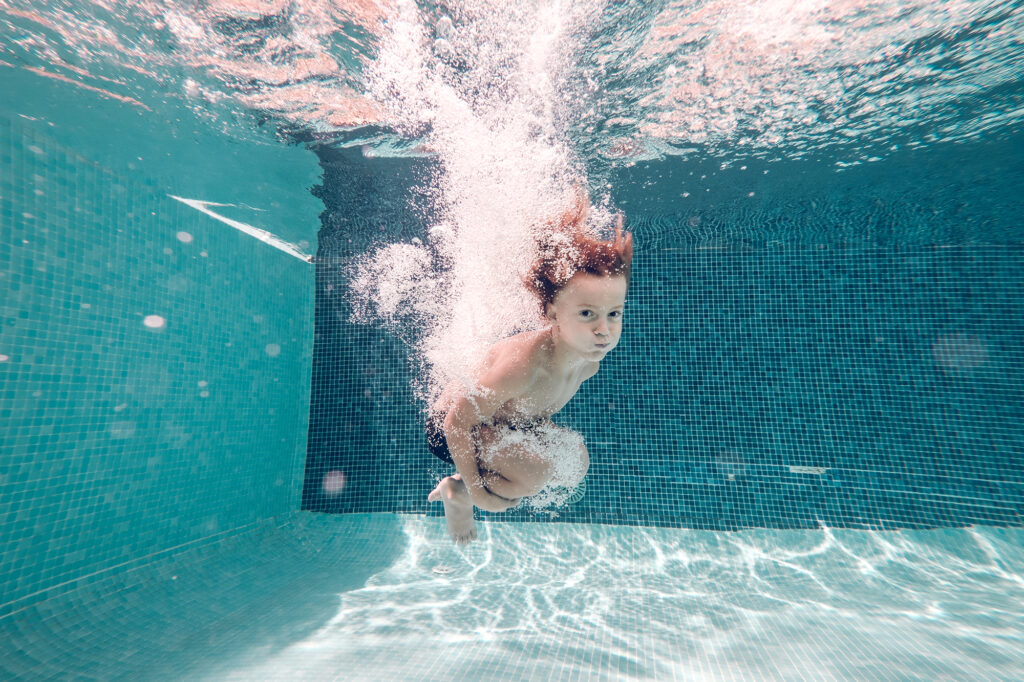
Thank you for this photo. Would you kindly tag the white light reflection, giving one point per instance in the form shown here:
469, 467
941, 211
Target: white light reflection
262, 235
534, 601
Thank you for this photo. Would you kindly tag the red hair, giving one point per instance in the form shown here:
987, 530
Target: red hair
567, 247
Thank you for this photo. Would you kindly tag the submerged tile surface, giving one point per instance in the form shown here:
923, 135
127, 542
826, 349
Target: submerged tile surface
386, 596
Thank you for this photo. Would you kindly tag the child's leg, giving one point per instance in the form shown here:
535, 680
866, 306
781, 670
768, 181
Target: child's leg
499, 485
458, 508
510, 471
524, 468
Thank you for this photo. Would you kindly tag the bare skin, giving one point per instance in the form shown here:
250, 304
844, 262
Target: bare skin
524, 377
458, 508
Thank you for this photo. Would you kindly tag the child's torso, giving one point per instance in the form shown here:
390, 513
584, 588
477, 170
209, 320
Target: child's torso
550, 390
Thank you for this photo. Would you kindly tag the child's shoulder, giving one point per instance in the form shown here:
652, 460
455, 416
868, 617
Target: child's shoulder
524, 350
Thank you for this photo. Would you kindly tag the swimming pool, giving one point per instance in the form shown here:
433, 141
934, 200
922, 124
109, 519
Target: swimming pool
384, 596
806, 453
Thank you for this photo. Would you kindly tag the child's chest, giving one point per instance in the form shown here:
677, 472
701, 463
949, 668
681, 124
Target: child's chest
548, 395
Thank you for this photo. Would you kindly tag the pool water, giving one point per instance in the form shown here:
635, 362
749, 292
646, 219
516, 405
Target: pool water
385, 596
806, 454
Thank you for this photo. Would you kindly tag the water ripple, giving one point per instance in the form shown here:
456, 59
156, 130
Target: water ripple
850, 81
654, 603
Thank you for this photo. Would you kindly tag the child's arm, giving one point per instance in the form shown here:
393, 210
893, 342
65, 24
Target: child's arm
504, 380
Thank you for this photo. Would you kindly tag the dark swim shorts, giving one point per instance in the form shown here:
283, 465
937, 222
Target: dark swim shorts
436, 440
439, 445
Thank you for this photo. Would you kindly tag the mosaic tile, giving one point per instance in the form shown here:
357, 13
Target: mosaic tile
778, 367
140, 410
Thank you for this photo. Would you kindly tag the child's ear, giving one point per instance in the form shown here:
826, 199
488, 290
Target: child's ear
549, 311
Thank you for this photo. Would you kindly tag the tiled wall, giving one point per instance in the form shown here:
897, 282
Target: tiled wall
154, 372
811, 348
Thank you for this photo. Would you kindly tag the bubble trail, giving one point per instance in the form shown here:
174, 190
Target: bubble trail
484, 87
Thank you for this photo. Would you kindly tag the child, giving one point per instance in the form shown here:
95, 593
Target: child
500, 436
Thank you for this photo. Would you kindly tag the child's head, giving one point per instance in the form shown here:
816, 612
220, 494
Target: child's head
580, 281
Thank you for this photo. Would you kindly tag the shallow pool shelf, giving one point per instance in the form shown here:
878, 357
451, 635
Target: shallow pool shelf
334, 597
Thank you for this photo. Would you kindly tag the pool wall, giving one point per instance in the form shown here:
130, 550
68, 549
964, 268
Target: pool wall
154, 385
838, 348
802, 346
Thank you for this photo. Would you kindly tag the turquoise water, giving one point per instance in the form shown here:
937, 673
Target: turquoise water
131, 340
806, 456
385, 596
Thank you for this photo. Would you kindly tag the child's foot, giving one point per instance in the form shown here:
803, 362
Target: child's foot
458, 508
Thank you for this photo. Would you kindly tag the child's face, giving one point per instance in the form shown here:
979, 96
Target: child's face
588, 313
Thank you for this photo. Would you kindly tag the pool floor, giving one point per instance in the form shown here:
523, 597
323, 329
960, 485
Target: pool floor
389, 597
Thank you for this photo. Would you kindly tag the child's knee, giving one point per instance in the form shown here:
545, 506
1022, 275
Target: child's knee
501, 486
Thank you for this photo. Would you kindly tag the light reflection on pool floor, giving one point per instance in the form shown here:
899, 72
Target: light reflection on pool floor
389, 597
558, 601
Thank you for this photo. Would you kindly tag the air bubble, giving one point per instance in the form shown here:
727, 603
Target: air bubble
444, 27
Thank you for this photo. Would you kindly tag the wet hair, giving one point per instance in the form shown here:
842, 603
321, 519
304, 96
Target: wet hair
566, 246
